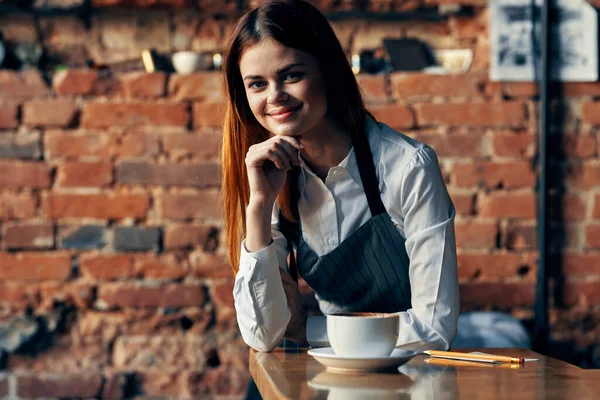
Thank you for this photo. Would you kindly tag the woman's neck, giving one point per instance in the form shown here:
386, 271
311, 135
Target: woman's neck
325, 146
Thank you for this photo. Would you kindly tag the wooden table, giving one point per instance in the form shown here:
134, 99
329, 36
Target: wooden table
296, 375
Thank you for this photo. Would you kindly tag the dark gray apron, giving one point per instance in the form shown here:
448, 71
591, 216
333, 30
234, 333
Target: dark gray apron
368, 271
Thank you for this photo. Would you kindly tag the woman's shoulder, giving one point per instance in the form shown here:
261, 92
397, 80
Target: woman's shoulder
399, 151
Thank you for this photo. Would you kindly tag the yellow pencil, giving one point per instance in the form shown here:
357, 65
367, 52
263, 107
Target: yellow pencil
461, 363
473, 357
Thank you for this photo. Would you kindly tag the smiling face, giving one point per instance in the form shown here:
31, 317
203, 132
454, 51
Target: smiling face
284, 88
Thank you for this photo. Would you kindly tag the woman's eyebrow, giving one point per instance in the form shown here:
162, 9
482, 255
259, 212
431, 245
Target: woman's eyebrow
279, 71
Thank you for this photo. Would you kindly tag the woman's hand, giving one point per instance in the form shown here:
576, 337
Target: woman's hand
267, 164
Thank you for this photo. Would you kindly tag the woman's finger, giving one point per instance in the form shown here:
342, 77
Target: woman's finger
291, 151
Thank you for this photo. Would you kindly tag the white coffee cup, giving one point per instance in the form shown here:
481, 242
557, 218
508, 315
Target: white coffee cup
363, 334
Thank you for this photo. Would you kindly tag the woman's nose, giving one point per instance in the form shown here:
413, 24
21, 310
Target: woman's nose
277, 95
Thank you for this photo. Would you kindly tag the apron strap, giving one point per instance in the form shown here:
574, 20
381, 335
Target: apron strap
368, 176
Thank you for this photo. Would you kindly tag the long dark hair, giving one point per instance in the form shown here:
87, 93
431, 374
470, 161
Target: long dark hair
299, 25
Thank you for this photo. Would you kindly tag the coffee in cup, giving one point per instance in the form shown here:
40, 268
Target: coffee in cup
363, 334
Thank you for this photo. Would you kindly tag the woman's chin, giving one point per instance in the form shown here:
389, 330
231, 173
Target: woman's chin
286, 130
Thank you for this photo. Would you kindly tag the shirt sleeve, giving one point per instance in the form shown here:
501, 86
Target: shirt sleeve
430, 243
259, 299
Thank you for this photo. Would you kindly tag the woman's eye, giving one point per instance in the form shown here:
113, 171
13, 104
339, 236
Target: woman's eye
256, 85
291, 76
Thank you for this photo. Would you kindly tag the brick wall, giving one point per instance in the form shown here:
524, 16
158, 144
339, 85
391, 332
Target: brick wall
112, 260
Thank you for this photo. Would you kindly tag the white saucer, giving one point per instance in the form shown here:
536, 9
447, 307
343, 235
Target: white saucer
335, 363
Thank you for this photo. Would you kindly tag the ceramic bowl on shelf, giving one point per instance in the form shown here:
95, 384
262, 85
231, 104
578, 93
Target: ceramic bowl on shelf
187, 62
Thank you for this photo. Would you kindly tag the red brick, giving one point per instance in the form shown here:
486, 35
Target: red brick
57, 385
159, 353
472, 114
464, 203
22, 85
66, 144
22, 293
100, 206
35, 266
56, 113
468, 27
24, 145
13, 206
491, 266
583, 293
590, 112
494, 175
205, 204
373, 88
595, 212
569, 207
578, 264
28, 235
142, 85
208, 114
221, 293
107, 115
409, 85
73, 144
520, 236
592, 236
137, 295
504, 205
197, 175
496, 295
572, 146
9, 115
580, 89
152, 266
106, 266
476, 235
205, 145
138, 145
74, 82
510, 144
77, 294
210, 265
396, 116
18, 27
585, 175
21, 174
188, 236
207, 87
453, 145
520, 89
84, 174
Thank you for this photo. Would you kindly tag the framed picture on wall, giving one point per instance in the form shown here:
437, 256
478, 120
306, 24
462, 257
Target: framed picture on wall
515, 32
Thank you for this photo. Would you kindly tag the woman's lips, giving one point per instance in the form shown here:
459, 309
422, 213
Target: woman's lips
280, 116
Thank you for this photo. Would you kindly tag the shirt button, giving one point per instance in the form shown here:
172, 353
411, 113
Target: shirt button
332, 242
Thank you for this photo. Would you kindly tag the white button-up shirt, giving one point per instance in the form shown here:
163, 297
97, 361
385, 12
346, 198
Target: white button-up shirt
414, 194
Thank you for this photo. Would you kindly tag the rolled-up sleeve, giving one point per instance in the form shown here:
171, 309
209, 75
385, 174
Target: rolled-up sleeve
430, 244
259, 299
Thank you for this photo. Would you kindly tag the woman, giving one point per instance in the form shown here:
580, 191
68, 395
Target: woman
304, 162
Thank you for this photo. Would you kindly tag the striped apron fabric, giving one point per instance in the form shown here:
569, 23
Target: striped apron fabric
368, 271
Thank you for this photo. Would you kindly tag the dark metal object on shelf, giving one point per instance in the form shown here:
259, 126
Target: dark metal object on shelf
408, 54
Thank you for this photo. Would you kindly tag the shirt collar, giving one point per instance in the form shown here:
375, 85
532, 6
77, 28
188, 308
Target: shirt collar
349, 163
